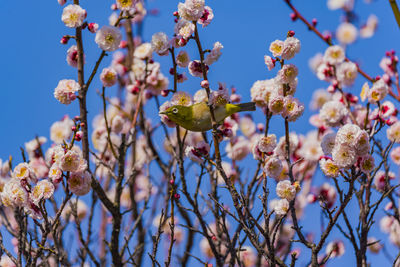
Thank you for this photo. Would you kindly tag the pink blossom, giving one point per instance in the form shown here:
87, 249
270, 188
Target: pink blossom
195, 68
65, 91
207, 16
108, 77
73, 16
335, 249
13, 194
43, 190
197, 152
291, 47
24, 172
238, 149
395, 155
269, 62
79, 182
327, 195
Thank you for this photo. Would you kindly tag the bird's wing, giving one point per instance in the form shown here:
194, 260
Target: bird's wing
201, 112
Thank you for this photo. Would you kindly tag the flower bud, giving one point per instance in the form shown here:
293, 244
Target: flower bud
311, 198
182, 42
331, 89
327, 37
135, 90
235, 98
138, 83
93, 27
388, 206
314, 22
386, 78
204, 84
64, 40
123, 44
78, 136
165, 92
260, 127
227, 132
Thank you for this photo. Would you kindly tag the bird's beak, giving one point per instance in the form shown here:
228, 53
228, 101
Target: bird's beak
162, 113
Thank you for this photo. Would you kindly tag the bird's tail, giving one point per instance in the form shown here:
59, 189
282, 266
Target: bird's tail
250, 106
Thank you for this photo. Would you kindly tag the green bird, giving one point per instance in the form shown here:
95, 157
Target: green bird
197, 117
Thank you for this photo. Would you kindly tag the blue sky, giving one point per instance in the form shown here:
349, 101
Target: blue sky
33, 60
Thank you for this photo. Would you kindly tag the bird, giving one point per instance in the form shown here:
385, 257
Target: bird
197, 117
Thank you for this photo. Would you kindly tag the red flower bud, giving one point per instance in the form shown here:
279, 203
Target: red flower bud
123, 44
165, 93
135, 90
314, 22
204, 84
64, 40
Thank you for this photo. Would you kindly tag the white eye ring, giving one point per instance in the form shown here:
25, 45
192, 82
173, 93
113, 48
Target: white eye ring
175, 110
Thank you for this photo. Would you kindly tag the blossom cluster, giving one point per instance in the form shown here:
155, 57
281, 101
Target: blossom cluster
32, 182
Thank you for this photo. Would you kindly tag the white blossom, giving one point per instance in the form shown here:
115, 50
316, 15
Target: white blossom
281, 207
285, 189
332, 112
276, 48
329, 168
344, 156
65, 91
184, 28
393, 132
334, 55
291, 47
215, 53
79, 182
346, 73
144, 51
160, 43
73, 16
108, 38
346, 33
191, 10
273, 167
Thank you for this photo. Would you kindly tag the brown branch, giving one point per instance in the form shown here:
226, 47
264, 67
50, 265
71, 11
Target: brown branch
396, 12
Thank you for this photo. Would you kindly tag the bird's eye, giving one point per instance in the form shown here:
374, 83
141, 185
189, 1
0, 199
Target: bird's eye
175, 110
